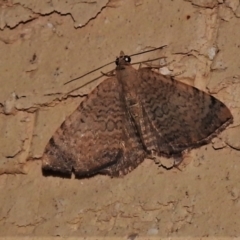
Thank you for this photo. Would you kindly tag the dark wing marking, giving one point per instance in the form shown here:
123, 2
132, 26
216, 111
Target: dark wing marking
97, 137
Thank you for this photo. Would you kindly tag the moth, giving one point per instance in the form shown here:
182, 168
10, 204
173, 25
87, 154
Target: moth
131, 116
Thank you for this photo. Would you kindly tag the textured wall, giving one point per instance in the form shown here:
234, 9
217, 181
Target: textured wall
43, 44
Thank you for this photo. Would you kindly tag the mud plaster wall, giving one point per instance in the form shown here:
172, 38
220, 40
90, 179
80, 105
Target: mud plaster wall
46, 43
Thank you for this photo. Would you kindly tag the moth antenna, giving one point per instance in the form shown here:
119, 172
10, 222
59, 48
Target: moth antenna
149, 60
74, 79
105, 74
151, 50
85, 84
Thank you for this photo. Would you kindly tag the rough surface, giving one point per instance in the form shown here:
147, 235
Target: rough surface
136, 114
43, 46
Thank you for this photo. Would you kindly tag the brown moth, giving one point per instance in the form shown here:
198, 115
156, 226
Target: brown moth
131, 116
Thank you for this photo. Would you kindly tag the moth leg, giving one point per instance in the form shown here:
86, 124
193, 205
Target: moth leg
109, 74
162, 63
166, 162
155, 66
179, 73
178, 160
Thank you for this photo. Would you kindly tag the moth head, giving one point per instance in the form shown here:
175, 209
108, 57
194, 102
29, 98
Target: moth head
123, 59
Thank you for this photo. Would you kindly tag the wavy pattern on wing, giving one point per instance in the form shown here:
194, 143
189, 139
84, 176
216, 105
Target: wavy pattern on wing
97, 138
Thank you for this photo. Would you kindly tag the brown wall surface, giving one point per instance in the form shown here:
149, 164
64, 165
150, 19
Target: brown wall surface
44, 44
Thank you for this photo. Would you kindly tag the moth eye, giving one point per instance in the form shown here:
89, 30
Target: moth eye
127, 59
117, 61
